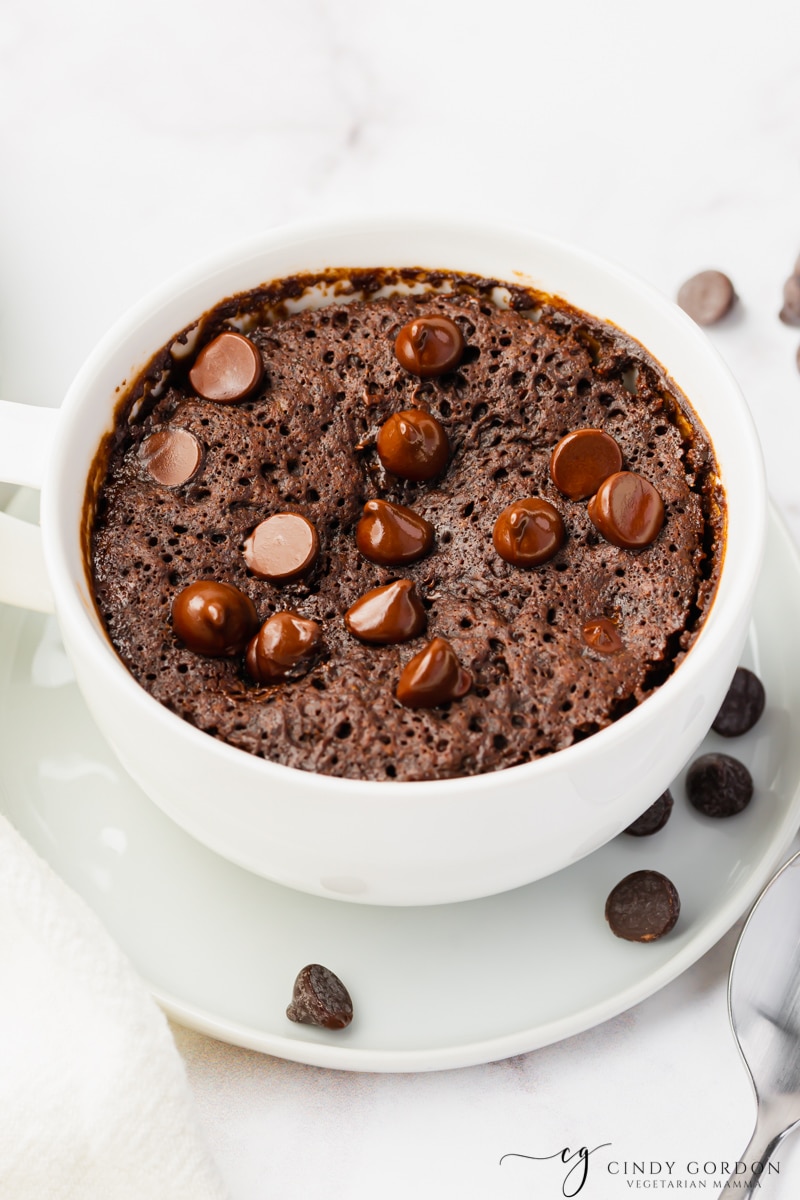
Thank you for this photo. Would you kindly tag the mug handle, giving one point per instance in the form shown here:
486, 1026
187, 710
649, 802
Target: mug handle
26, 437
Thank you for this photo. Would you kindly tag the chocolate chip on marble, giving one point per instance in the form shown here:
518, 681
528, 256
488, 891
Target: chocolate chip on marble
582, 460
228, 369
742, 706
653, 818
719, 785
413, 445
707, 297
285, 647
429, 346
320, 998
433, 677
627, 510
214, 619
171, 456
282, 548
643, 906
528, 532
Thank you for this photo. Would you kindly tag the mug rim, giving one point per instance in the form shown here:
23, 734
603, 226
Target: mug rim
78, 611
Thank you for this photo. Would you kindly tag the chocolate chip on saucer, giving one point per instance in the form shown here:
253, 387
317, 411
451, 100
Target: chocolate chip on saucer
707, 297
643, 906
719, 785
742, 706
320, 998
653, 818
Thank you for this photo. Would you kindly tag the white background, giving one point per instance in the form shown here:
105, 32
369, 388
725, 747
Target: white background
136, 137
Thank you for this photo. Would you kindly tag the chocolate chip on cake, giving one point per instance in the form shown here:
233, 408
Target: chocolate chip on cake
285, 647
227, 369
171, 456
282, 548
320, 998
707, 297
602, 635
429, 346
719, 785
387, 615
643, 906
433, 677
653, 818
528, 532
392, 534
214, 619
743, 705
413, 445
582, 460
627, 510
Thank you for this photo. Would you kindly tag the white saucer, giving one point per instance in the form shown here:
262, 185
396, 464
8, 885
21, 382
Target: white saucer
432, 988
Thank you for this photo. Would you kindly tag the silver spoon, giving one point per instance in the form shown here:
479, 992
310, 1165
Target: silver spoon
764, 1008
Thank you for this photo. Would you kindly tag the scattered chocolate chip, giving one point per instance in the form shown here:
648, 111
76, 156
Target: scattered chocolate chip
214, 619
429, 346
413, 445
719, 785
602, 635
643, 906
790, 313
433, 677
320, 998
285, 647
528, 532
391, 534
387, 615
582, 460
742, 706
627, 510
282, 548
227, 369
653, 818
171, 456
707, 297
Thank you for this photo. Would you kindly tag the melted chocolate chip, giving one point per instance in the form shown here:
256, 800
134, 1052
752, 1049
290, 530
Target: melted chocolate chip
433, 677
227, 369
387, 615
391, 534
653, 818
707, 297
282, 548
742, 706
171, 456
214, 619
528, 532
643, 906
627, 510
285, 647
429, 346
601, 635
582, 460
413, 445
320, 998
719, 785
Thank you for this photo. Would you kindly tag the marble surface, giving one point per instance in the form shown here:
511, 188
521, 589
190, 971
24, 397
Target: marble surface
138, 137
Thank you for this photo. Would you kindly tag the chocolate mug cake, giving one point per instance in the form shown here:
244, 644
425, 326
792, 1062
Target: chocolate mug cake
436, 527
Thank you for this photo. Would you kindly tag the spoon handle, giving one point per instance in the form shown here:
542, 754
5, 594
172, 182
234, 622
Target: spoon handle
771, 1128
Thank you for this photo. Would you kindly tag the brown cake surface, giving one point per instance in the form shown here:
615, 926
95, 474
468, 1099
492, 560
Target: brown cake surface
304, 442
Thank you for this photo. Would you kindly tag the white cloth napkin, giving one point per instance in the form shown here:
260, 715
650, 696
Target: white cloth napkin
94, 1103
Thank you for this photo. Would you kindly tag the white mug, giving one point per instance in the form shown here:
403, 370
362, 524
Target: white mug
385, 842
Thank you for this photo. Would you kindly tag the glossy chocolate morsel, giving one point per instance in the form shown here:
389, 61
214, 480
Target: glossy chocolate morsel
719, 785
528, 532
602, 635
171, 456
214, 619
320, 998
582, 460
413, 445
282, 548
429, 346
391, 534
227, 369
285, 647
627, 510
643, 906
387, 615
707, 297
742, 706
433, 677
653, 818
